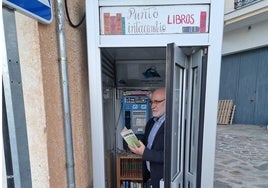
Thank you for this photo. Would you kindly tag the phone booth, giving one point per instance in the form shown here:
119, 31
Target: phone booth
143, 45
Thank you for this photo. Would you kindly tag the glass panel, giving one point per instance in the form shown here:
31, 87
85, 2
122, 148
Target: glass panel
190, 185
177, 123
174, 138
193, 128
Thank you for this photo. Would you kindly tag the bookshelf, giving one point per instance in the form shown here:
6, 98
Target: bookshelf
129, 171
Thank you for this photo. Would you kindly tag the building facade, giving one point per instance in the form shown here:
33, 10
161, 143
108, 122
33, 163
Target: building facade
43, 100
245, 60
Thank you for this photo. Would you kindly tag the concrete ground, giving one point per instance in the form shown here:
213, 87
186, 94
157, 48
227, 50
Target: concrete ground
241, 159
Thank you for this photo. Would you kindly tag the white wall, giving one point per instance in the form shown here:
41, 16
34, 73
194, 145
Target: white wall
245, 38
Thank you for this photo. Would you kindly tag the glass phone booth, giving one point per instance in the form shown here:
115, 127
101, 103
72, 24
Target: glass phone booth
181, 42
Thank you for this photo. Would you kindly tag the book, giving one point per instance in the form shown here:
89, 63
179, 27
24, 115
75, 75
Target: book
107, 30
130, 137
113, 25
119, 23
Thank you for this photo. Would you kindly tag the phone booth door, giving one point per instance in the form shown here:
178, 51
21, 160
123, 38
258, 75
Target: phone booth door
185, 111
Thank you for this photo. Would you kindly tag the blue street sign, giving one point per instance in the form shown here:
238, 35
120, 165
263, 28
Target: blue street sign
38, 9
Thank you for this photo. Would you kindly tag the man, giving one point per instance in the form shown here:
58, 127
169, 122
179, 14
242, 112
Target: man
152, 145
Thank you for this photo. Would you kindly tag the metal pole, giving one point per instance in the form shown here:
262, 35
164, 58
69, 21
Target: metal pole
65, 93
19, 168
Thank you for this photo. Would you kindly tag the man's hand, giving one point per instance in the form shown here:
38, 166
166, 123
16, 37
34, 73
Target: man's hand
137, 150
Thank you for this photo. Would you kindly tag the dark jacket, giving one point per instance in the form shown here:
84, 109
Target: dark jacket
155, 155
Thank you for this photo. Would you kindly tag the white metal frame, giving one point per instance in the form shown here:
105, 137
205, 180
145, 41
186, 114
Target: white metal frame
212, 92
96, 111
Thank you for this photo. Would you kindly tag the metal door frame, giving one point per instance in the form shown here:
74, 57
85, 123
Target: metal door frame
189, 114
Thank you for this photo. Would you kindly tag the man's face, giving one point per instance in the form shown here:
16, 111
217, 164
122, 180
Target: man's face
158, 104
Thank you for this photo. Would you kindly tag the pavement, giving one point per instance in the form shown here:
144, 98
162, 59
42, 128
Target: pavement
241, 158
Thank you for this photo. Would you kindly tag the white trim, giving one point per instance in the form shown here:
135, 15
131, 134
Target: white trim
246, 10
154, 40
151, 2
212, 90
95, 91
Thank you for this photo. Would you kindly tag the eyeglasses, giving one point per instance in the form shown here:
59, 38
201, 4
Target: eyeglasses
156, 102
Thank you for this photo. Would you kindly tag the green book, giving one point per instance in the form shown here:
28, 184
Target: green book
130, 137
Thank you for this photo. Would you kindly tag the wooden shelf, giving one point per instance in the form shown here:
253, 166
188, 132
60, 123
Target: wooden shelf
129, 169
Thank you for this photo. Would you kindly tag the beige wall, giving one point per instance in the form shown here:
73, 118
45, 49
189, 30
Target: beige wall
228, 6
43, 100
29, 50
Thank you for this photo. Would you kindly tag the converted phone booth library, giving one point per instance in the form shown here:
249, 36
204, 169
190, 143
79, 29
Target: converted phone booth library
135, 47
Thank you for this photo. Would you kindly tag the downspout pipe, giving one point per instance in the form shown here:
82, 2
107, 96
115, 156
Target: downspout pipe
65, 93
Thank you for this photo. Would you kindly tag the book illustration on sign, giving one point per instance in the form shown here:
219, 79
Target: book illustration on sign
130, 137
